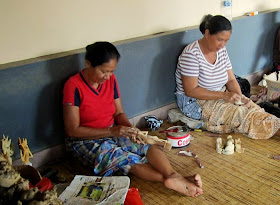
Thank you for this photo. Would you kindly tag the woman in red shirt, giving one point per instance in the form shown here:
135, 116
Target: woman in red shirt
99, 132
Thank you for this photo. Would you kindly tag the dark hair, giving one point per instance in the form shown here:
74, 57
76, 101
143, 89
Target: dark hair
214, 24
101, 52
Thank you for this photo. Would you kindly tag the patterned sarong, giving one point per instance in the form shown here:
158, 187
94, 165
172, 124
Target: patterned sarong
224, 117
108, 155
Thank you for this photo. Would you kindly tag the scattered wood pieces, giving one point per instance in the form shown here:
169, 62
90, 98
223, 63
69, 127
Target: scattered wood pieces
277, 157
194, 154
191, 154
186, 153
199, 163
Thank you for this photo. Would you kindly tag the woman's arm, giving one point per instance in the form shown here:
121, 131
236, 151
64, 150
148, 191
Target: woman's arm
191, 88
120, 116
232, 84
71, 116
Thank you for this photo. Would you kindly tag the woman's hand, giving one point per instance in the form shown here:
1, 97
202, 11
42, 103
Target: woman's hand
127, 132
231, 97
247, 101
121, 131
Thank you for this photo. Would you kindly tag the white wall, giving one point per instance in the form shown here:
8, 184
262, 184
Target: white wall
32, 28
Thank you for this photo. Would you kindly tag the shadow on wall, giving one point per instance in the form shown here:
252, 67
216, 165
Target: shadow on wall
250, 47
165, 63
49, 115
31, 101
264, 49
146, 71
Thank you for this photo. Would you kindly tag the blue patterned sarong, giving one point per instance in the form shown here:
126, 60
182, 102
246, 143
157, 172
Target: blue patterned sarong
189, 106
108, 155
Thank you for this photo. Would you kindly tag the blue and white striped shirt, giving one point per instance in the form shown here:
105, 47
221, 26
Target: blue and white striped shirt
193, 63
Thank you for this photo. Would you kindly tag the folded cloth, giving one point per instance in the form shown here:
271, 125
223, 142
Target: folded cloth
175, 115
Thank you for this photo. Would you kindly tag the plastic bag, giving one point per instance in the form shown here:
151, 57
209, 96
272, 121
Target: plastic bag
133, 197
43, 185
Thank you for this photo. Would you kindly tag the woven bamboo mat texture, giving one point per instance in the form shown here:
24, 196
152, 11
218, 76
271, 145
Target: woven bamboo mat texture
252, 177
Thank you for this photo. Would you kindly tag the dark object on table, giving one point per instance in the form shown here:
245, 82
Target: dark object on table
276, 51
49, 173
152, 122
244, 85
270, 108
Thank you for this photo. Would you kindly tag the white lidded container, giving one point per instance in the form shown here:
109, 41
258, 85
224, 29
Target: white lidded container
178, 139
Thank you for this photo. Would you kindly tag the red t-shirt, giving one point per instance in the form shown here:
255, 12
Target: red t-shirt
96, 105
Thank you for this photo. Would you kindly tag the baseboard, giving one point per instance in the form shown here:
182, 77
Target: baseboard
41, 158
256, 77
160, 113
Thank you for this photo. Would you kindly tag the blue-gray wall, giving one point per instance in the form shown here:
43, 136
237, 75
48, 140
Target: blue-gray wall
31, 94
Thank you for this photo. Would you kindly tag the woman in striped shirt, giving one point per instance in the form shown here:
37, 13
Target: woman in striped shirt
207, 89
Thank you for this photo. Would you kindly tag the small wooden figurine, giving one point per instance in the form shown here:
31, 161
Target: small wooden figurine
219, 145
238, 147
229, 146
7, 149
25, 152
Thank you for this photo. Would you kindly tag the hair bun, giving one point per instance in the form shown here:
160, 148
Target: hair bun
203, 25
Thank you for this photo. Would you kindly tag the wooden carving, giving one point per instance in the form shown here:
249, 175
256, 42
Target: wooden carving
7, 148
154, 140
25, 152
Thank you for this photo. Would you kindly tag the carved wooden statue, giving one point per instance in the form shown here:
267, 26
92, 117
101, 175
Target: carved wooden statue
25, 152
7, 149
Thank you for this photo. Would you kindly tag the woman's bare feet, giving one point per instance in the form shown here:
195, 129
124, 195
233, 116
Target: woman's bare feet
180, 184
196, 179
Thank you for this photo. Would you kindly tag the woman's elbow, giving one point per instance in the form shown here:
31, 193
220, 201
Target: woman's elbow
70, 132
188, 93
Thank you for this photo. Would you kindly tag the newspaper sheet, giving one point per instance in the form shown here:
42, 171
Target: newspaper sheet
96, 190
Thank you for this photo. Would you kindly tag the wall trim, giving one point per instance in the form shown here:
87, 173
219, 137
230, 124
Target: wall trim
43, 157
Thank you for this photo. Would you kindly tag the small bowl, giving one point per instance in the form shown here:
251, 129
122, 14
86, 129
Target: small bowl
178, 139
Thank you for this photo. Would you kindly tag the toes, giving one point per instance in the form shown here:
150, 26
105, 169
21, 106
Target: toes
198, 180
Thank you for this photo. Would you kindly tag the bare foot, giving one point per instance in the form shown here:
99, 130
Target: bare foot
196, 179
180, 184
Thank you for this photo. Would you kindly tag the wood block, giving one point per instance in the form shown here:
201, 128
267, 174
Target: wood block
154, 140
